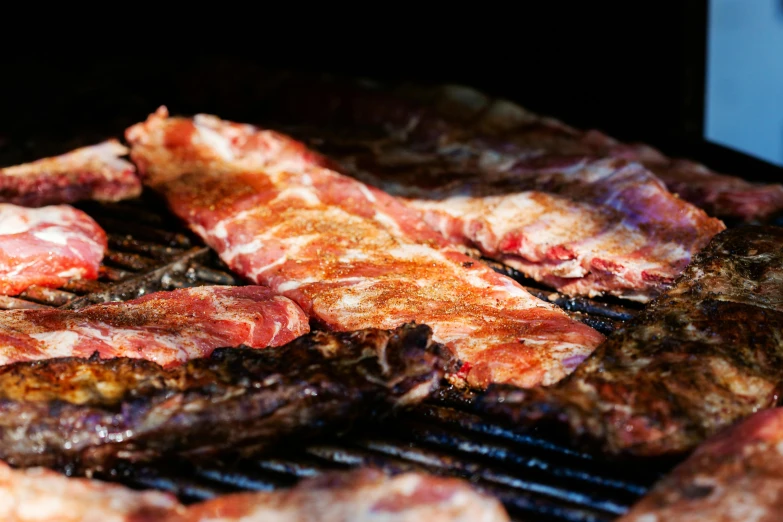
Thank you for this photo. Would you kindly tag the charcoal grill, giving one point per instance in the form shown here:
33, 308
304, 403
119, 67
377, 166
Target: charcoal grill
537, 473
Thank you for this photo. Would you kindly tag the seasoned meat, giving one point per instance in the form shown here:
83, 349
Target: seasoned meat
363, 495
581, 224
703, 355
47, 247
736, 476
95, 172
167, 328
452, 121
86, 412
350, 255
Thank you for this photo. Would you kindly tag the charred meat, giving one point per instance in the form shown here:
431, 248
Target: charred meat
703, 355
86, 412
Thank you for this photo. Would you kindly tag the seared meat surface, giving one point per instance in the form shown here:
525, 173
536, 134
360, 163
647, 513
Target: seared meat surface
47, 246
350, 255
578, 223
736, 476
84, 413
703, 355
363, 495
167, 328
95, 172
457, 123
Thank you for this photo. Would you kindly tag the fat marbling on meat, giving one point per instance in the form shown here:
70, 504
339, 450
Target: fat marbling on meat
167, 328
700, 357
350, 255
362, 495
47, 246
582, 224
95, 172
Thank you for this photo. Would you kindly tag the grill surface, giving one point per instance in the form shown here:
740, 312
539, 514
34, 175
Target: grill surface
537, 474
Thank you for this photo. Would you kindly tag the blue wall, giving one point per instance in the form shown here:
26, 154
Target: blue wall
744, 97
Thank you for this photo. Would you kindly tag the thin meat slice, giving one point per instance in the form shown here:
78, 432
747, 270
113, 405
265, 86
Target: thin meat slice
167, 328
352, 256
87, 413
47, 246
362, 495
702, 356
736, 476
96, 172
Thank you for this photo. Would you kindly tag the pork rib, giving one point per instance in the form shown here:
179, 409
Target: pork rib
581, 224
86, 412
95, 172
352, 256
450, 118
363, 495
735, 476
700, 357
167, 328
47, 247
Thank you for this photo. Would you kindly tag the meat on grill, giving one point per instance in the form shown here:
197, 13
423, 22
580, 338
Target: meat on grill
42, 495
352, 256
167, 328
362, 495
47, 246
86, 412
703, 355
736, 476
501, 133
95, 172
582, 225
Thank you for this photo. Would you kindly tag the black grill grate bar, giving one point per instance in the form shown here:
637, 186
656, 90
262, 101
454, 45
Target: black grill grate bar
548, 467
523, 502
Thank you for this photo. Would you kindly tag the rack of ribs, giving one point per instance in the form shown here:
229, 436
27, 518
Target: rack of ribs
167, 328
350, 255
700, 357
96, 172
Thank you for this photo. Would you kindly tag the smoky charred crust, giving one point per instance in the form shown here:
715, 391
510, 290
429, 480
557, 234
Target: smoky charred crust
701, 356
87, 412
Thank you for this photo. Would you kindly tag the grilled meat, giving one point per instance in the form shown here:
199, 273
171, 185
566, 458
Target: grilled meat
500, 133
736, 476
701, 356
167, 328
582, 225
84, 413
364, 495
41, 495
352, 256
47, 247
94, 172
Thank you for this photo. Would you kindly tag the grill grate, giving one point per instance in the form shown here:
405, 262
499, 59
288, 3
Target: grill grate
536, 474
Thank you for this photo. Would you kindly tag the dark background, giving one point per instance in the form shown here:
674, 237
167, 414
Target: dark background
632, 69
